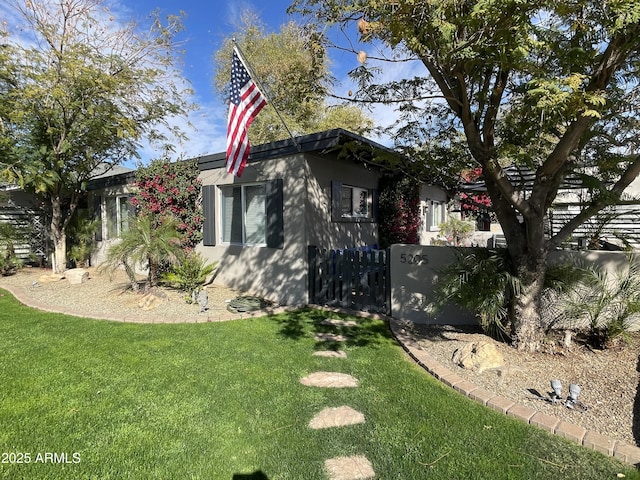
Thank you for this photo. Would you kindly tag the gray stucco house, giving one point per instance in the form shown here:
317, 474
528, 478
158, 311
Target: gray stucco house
320, 190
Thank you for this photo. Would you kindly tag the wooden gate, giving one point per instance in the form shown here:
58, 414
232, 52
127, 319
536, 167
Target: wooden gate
351, 278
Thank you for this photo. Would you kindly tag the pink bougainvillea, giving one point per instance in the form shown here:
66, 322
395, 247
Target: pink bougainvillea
165, 188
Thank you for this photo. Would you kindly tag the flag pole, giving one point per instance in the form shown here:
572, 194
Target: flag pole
264, 92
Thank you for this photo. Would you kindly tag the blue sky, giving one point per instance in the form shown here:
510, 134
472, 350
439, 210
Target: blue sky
207, 24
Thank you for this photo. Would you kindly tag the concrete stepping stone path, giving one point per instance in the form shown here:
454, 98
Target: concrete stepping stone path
339, 323
336, 417
355, 467
330, 337
349, 468
330, 354
329, 380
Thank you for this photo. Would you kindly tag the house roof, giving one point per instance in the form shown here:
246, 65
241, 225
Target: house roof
316, 142
522, 178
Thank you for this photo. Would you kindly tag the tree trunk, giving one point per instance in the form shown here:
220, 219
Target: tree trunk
59, 236
530, 266
527, 330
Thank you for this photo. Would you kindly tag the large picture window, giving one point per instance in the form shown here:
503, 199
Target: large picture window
243, 214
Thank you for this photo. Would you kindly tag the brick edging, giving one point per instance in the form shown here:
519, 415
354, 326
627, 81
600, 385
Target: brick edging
595, 441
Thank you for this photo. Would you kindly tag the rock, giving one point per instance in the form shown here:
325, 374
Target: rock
76, 276
478, 356
50, 278
152, 299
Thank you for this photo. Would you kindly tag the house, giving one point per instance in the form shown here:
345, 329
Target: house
320, 191
614, 228
24, 212
108, 200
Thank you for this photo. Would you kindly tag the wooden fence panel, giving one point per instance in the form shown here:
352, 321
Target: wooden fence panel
349, 278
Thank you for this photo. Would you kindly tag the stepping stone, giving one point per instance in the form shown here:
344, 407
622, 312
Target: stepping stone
330, 337
339, 323
349, 468
330, 353
336, 417
329, 380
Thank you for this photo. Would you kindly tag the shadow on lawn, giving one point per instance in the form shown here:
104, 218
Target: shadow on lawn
250, 476
308, 322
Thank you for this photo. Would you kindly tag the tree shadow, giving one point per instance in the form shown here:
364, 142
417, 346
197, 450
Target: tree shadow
636, 411
303, 323
257, 475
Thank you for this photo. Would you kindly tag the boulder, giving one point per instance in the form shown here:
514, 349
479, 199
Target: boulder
50, 278
76, 276
152, 299
478, 356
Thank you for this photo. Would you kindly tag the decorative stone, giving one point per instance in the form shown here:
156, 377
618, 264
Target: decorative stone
76, 276
50, 278
356, 467
478, 356
330, 354
329, 380
330, 337
335, 322
336, 417
152, 299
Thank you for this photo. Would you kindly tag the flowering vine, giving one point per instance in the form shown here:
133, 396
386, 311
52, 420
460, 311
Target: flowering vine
171, 188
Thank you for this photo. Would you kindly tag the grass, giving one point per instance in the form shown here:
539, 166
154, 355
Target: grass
223, 401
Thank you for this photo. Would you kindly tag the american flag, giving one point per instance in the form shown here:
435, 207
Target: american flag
246, 102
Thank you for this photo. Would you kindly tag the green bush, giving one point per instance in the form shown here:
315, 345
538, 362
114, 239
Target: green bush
480, 280
602, 305
9, 262
190, 274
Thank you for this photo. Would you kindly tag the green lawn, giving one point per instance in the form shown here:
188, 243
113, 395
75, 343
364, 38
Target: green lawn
222, 400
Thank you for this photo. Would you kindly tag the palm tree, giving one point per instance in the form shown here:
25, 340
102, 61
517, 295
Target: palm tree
146, 245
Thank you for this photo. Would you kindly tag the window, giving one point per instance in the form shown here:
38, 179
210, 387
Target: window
355, 202
243, 218
118, 212
352, 204
435, 215
244, 214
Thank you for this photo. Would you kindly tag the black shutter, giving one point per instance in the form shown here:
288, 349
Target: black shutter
97, 215
336, 201
275, 217
374, 205
208, 210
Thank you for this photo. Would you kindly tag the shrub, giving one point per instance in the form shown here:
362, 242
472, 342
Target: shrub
9, 262
189, 274
456, 232
603, 305
480, 280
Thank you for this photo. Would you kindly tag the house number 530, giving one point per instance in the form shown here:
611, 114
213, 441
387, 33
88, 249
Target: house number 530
413, 259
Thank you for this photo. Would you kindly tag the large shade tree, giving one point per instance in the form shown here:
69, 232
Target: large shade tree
81, 90
293, 69
548, 85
